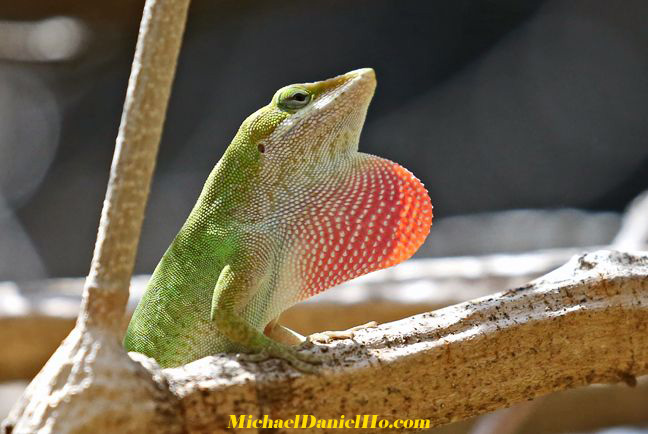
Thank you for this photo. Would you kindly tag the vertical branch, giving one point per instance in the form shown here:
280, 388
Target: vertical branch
90, 384
149, 87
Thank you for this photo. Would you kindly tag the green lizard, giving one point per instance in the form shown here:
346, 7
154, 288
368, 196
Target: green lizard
291, 209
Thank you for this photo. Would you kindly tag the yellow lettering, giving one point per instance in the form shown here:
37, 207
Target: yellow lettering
240, 423
311, 418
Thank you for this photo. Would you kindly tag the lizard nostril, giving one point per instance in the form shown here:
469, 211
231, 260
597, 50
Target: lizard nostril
261, 148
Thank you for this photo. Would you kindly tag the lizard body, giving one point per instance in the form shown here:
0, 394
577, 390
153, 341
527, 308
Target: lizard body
291, 209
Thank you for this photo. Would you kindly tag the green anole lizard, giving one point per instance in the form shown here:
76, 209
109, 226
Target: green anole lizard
290, 210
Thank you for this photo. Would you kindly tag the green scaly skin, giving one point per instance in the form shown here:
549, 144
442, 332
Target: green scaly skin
250, 247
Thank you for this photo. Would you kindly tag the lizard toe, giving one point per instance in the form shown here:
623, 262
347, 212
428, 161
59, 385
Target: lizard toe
254, 357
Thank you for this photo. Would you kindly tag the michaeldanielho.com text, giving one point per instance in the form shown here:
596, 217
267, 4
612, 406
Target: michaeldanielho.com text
309, 421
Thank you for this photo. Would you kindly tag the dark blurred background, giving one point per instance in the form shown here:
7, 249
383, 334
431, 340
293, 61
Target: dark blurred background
495, 105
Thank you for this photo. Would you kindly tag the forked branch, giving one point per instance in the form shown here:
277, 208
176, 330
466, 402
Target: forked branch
90, 384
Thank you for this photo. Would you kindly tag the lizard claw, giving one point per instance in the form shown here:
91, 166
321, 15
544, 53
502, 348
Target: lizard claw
328, 336
304, 362
253, 357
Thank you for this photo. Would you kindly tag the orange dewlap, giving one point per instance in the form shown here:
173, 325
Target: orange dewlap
379, 218
414, 220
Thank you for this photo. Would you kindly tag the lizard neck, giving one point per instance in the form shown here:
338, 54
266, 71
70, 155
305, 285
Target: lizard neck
207, 233
228, 189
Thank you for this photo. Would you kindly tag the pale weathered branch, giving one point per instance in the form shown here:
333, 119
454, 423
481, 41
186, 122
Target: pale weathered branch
584, 323
633, 235
619, 272
90, 384
149, 87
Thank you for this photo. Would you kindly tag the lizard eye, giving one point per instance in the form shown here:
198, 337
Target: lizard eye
293, 98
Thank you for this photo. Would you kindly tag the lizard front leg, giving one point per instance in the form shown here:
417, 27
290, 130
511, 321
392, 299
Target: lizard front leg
331, 335
281, 333
236, 286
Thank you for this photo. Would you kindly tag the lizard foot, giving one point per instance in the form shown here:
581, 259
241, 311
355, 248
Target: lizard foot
304, 362
328, 336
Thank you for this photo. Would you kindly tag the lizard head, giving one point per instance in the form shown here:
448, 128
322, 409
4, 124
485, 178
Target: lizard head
311, 122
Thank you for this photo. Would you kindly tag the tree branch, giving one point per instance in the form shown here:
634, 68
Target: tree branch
149, 87
90, 384
581, 324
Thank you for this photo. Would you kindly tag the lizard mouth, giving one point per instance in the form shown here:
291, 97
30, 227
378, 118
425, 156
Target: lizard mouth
340, 104
355, 86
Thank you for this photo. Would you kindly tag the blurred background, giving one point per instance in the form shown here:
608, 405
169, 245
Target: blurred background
495, 104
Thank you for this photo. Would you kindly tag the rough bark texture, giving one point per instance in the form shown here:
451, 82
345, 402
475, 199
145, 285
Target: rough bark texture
90, 384
584, 323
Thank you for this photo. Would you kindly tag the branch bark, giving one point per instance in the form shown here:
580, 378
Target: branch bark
581, 324
149, 87
90, 384
633, 235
